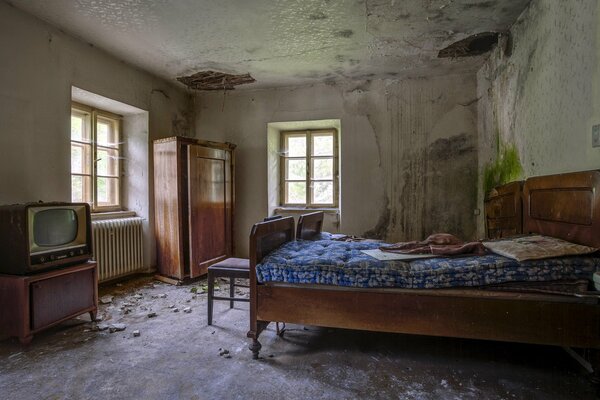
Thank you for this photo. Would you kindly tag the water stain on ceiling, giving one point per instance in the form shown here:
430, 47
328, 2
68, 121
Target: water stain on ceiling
282, 42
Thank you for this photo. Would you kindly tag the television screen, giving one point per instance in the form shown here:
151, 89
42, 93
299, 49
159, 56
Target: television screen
55, 227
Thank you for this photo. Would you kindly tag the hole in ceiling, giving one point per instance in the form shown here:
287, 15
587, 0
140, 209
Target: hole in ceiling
474, 45
213, 80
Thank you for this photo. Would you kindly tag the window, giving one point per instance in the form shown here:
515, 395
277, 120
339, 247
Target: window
309, 168
95, 155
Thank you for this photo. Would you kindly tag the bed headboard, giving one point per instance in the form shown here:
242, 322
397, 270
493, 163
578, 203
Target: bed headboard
310, 225
566, 206
504, 211
267, 236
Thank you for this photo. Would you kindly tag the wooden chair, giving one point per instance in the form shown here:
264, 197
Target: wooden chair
231, 268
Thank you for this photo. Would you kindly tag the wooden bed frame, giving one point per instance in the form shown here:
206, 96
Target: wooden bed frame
565, 206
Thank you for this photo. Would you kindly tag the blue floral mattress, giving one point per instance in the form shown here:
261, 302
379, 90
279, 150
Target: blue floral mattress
329, 262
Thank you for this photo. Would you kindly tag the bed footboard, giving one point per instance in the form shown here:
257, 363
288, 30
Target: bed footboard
264, 238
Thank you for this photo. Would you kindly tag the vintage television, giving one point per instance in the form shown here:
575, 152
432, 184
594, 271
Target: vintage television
40, 236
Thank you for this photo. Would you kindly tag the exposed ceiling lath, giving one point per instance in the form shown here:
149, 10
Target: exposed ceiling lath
474, 45
212, 80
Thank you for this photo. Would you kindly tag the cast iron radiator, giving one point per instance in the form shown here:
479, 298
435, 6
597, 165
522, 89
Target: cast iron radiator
118, 247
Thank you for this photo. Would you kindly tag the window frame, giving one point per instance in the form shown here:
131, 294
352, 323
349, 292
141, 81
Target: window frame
92, 115
308, 134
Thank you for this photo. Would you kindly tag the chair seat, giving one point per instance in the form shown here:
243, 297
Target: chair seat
231, 263
231, 268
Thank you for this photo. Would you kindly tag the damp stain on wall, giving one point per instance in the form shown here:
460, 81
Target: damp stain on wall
506, 168
445, 149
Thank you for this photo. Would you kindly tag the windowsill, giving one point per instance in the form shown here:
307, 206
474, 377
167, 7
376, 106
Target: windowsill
306, 210
112, 215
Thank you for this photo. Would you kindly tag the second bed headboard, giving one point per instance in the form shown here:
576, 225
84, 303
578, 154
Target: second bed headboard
566, 206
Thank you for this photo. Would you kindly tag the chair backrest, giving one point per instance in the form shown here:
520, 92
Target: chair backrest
310, 225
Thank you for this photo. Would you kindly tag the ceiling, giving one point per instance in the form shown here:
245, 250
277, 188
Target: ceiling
282, 42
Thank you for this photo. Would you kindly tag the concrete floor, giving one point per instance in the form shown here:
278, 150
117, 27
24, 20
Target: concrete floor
177, 356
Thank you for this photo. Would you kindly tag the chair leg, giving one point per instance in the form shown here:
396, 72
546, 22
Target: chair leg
231, 290
211, 288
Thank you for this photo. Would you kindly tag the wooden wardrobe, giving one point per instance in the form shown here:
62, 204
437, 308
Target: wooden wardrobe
193, 203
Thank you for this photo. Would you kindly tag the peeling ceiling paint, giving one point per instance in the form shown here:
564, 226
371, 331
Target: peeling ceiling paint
282, 42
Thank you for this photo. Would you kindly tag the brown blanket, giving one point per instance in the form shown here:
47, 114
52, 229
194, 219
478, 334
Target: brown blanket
440, 244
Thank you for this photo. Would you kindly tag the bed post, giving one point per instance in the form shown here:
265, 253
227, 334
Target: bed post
253, 333
264, 237
594, 356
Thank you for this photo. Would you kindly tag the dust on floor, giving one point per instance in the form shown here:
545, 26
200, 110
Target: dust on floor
178, 356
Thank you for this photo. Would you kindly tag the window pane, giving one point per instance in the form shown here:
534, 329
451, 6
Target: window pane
322, 193
322, 145
81, 191
80, 158
106, 132
77, 159
107, 162
107, 191
322, 168
76, 127
296, 146
295, 169
296, 192
79, 127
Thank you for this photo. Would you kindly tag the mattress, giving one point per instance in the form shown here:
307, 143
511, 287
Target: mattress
327, 262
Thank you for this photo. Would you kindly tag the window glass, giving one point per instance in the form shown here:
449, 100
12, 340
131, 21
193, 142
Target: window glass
322, 145
313, 175
322, 168
296, 146
107, 191
296, 192
296, 169
95, 156
107, 162
322, 192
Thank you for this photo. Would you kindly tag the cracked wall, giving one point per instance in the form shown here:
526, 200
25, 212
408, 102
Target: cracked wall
408, 151
544, 98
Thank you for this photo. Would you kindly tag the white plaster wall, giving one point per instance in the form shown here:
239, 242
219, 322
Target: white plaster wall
545, 97
408, 151
38, 66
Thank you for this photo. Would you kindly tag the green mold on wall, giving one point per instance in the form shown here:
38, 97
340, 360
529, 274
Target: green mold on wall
505, 169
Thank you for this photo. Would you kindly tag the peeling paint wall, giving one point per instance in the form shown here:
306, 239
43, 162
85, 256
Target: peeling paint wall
544, 97
408, 151
39, 66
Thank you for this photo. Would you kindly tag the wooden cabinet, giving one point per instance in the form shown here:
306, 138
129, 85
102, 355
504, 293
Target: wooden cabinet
193, 202
31, 303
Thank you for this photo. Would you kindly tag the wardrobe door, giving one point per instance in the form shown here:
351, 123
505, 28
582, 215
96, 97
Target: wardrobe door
210, 207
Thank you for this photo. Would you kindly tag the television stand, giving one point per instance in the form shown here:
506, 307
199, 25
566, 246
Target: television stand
31, 303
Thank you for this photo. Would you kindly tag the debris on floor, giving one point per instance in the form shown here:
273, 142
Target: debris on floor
106, 299
166, 361
118, 327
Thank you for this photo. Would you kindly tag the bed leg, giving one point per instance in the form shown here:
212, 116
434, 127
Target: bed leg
594, 355
255, 348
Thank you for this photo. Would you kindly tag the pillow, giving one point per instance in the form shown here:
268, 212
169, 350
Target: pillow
535, 247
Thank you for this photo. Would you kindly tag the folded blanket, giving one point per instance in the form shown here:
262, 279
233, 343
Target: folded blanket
440, 244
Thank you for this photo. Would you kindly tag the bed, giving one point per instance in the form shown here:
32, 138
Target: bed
565, 206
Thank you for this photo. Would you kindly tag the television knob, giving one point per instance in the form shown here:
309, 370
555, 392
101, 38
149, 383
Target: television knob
81, 251
71, 253
42, 259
